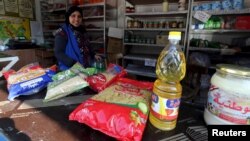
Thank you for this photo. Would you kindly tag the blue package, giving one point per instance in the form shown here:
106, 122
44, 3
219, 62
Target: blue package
227, 5
237, 4
30, 87
196, 8
3, 137
216, 5
206, 6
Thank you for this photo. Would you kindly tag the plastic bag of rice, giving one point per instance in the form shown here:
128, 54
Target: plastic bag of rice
67, 82
29, 80
102, 80
120, 111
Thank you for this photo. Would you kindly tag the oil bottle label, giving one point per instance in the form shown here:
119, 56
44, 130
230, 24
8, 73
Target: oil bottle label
163, 108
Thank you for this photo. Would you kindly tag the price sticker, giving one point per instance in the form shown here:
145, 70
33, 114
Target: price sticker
202, 16
150, 62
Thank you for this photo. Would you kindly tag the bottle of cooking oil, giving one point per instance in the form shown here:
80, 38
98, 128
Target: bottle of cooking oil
171, 64
170, 70
165, 104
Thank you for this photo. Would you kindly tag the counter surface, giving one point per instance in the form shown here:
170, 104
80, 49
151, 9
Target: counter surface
29, 119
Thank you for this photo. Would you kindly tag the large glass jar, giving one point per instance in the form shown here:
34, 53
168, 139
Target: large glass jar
229, 96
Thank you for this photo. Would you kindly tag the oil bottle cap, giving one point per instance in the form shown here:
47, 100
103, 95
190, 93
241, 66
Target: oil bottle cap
176, 35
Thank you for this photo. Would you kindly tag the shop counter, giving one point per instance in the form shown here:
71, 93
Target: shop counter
29, 119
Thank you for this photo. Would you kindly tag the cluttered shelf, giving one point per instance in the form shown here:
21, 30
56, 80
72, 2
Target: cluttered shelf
159, 14
207, 31
229, 12
156, 29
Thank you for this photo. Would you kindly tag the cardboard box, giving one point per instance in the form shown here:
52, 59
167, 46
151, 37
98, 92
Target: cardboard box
115, 33
114, 45
115, 58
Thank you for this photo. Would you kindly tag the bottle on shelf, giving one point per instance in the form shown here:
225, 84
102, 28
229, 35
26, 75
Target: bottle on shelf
182, 5
99, 65
165, 6
170, 70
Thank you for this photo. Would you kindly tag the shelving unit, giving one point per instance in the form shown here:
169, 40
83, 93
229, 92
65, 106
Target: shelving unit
97, 18
52, 16
225, 35
141, 43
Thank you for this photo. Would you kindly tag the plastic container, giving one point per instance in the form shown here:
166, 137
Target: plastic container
171, 64
99, 65
227, 5
216, 5
165, 6
229, 96
238, 4
165, 104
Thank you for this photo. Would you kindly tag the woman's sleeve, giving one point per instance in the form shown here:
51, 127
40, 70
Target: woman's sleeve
60, 47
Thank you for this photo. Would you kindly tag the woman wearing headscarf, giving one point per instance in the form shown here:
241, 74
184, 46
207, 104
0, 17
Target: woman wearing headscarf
72, 43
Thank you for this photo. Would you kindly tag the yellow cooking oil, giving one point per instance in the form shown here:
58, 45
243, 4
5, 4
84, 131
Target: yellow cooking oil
165, 103
166, 96
171, 63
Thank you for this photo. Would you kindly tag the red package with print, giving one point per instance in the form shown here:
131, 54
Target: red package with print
120, 111
102, 80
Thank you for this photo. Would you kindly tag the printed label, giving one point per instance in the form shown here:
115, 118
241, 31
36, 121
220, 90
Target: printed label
163, 108
232, 107
150, 62
202, 16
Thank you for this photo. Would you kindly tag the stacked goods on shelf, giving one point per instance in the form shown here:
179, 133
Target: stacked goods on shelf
146, 26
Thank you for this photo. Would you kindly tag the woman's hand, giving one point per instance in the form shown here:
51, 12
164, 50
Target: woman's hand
98, 57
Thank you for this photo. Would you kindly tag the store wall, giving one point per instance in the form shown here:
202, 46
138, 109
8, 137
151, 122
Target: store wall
15, 19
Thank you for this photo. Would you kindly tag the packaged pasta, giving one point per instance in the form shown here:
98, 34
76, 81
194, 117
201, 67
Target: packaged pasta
102, 80
29, 80
121, 110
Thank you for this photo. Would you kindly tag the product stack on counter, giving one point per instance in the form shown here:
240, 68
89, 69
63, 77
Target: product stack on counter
170, 70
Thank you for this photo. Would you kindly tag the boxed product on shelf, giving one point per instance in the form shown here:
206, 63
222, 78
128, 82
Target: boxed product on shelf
242, 22
115, 36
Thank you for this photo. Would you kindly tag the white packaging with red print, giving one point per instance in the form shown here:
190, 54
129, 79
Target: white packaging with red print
229, 96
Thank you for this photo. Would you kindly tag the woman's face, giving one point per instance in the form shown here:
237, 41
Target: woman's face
75, 19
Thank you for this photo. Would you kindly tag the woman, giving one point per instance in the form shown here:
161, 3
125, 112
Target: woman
72, 43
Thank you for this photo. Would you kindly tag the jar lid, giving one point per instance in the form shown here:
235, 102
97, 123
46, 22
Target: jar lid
234, 69
176, 35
